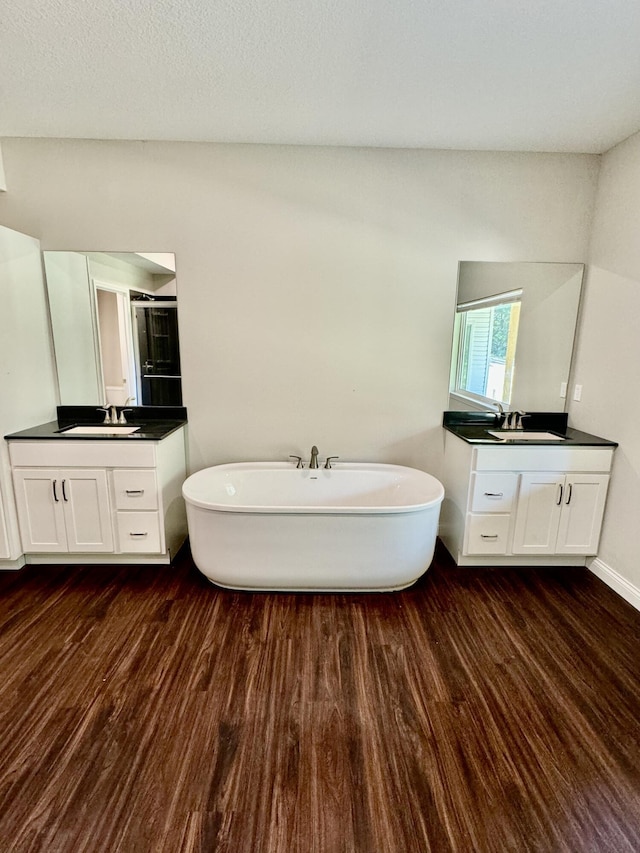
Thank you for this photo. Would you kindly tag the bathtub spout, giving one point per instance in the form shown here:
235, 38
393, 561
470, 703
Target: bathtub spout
314, 457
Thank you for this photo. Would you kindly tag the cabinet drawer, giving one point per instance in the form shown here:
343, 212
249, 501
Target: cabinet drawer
139, 532
135, 490
493, 491
487, 534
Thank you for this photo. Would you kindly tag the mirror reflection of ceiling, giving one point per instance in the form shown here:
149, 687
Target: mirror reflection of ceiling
547, 326
114, 325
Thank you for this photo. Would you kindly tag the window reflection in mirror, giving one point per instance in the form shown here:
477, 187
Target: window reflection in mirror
524, 366
115, 328
485, 335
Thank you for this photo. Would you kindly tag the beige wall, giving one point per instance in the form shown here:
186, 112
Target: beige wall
608, 354
316, 287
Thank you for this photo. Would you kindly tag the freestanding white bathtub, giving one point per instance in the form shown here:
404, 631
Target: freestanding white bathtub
271, 526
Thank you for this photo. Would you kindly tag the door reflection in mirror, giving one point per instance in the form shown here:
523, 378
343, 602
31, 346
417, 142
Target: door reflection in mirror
115, 341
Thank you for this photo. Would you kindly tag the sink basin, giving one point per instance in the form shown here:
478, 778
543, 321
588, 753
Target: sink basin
107, 429
524, 435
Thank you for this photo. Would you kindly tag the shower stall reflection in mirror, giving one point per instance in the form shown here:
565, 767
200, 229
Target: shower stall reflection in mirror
157, 350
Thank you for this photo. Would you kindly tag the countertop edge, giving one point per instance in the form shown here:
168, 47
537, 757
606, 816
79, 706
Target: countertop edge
51, 431
475, 434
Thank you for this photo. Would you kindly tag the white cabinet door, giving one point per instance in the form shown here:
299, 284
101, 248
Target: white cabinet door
40, 514
538, 513
63, 511
582, 510
85, 496
559, 514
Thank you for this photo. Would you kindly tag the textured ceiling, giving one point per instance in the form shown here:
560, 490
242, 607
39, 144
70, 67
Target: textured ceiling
541, 75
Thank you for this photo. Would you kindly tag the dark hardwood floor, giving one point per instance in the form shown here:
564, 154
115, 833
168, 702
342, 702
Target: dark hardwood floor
144, 710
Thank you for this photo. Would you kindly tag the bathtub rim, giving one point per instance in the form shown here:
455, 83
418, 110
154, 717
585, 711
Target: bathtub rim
328, 509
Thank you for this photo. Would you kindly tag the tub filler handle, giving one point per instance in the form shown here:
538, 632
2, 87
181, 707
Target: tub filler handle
327, 463
299, 458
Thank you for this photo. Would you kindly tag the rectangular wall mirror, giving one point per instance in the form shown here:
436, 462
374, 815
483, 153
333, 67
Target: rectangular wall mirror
114, 320
513, 339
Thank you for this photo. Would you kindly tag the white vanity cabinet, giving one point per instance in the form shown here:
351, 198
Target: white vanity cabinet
100, 501
518, 505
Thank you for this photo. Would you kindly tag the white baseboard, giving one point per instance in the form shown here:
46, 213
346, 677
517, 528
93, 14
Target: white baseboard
617, 583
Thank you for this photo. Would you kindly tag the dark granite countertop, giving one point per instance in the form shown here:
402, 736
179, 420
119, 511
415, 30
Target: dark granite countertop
155, 423
473, 427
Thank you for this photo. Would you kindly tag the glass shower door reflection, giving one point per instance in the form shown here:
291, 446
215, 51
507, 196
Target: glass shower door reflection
158, 353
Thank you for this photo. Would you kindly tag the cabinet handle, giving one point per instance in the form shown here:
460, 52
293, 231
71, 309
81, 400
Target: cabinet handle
134, 535
494, 494
569, 493
561, 489
55, 493
488, 536
134, 491
64, 493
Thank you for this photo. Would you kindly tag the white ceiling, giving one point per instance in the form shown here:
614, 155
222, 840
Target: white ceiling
522, 75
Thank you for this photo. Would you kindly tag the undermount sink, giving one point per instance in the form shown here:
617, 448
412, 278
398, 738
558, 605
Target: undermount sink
524, 435
107, 429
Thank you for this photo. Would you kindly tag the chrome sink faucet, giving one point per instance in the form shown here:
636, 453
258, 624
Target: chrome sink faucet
313, 463
107, 414
122, 419
513, 420
507, 420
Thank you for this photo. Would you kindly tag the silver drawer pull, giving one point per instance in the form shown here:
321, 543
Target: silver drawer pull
494, 494
488, 536
134, 491
134, 535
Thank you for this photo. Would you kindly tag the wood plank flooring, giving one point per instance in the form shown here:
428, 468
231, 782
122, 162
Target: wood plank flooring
144, 710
